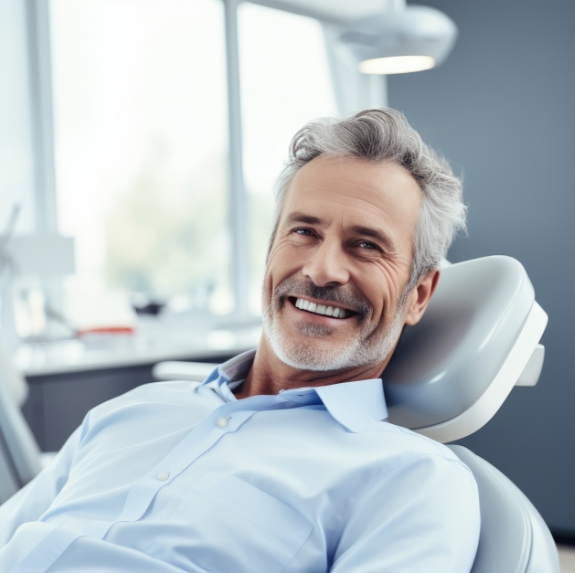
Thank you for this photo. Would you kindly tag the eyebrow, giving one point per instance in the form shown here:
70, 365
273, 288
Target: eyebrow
298, 217
381, 237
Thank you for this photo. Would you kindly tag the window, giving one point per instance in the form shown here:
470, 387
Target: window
140, 123
141, 144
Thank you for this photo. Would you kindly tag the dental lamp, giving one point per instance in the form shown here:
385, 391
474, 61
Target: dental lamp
402, 40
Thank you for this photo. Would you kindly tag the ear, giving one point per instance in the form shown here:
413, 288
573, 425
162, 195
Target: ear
420, 296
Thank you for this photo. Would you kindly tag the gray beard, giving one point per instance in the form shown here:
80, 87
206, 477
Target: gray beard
361, 350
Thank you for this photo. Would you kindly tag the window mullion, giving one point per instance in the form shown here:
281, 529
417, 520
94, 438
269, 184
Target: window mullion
38, 38
238, 197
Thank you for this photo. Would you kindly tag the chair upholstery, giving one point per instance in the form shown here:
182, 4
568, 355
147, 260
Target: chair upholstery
178, 370
514, 538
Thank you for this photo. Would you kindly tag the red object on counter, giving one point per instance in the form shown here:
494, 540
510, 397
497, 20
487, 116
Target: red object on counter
107, 330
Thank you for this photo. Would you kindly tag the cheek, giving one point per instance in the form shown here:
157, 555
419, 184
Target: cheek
281, 263
383, 288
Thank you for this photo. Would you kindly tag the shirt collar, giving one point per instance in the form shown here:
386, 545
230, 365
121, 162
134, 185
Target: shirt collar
355, 405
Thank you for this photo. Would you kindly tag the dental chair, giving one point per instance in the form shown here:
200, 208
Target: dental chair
448, 377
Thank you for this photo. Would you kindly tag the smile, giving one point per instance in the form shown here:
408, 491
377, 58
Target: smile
323, 309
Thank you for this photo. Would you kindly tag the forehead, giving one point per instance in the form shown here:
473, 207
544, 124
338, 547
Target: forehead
356, 192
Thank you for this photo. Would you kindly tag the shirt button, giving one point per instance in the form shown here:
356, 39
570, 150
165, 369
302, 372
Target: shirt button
222, 422
163, 476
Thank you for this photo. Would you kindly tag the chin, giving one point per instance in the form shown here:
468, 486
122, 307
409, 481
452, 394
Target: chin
313, 352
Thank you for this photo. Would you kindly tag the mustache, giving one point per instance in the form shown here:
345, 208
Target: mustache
333, 294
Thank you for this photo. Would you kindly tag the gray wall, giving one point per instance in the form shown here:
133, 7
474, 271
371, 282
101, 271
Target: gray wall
501, 109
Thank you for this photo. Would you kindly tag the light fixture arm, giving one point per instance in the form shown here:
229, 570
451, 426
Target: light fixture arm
354, 91
397, 5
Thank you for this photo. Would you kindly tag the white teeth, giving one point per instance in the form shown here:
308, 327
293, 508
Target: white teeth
334, 311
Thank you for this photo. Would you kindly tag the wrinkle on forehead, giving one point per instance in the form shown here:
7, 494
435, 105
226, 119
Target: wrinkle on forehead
353, 172
339, 197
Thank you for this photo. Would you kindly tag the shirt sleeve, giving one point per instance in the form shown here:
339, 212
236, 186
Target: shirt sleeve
423, 517
35, 498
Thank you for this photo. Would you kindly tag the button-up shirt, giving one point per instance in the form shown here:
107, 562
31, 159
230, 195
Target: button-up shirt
176, 476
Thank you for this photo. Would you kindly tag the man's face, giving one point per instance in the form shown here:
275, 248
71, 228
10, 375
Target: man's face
344, 241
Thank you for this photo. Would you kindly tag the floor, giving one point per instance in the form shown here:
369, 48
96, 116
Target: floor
567, 558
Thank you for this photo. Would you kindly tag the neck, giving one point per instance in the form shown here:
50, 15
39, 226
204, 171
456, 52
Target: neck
268, 374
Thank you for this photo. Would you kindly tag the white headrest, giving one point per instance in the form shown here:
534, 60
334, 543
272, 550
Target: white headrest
452, 371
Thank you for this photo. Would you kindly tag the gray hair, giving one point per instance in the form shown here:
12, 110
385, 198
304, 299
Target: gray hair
385, 135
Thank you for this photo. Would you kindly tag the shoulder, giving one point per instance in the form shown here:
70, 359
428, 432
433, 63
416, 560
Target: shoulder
407, 447
176, 392
153, 402
418, 495
420, 472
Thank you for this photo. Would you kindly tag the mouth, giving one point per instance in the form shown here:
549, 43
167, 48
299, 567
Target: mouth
329, 310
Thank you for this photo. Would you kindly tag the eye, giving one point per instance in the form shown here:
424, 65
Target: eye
368, 245
304, 232
302, 235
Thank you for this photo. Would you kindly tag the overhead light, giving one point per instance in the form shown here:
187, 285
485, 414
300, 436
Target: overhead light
396, 65
410, 40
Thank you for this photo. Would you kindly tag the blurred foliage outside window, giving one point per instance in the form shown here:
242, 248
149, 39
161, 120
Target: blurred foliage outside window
141, 153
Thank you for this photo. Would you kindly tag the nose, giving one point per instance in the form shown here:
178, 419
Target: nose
327, 265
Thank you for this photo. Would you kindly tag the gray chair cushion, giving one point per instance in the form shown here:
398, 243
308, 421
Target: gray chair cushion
514, 538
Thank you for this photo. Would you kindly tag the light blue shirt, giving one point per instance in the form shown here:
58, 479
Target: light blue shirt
176, 476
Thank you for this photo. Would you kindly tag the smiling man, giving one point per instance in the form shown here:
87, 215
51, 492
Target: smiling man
336, 292
282, 461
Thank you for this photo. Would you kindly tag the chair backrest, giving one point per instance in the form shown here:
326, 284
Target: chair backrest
178, 370
514, 538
